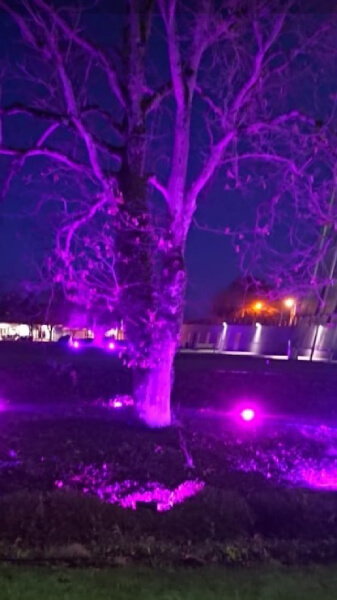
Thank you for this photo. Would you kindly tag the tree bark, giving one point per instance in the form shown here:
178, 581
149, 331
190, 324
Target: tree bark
152, 387
153, 303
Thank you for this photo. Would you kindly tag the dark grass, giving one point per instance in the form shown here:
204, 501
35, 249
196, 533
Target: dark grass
54, 431
142, 584
44, 373
240, 517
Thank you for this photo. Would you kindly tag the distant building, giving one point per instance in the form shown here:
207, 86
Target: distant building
50, 333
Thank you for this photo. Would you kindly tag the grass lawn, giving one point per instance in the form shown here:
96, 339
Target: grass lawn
62, 473
142, 584
255, 496
47, 373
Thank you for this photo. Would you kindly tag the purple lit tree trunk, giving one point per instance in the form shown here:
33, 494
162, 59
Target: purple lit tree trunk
208, 85
145, 294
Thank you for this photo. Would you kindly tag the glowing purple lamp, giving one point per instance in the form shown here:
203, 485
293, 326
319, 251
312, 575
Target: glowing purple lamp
117, 404
76, 344
248, 415
112, 346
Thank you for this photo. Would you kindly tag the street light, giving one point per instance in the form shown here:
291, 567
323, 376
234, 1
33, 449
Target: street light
258, 306
290, 303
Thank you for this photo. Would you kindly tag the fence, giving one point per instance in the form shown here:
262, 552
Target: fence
300, 341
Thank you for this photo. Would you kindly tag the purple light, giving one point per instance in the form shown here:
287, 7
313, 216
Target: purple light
112, 345
248, 414
76, 344
117, 404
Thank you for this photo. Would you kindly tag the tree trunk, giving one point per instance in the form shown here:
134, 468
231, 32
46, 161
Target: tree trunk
153, 385
152, 388
152, 305
99, 334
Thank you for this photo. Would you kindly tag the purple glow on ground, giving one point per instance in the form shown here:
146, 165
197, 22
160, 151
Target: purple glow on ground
307, 458
76, 344
128, 493
247, 414
325, 479
155, 492
112, 346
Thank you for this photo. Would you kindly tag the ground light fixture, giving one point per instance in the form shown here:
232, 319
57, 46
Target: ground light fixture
120, 402
248, 414
117, 403
2, 405
111, 345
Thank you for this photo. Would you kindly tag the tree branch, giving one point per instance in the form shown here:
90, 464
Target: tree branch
97, 53
209, 167
294, 115
74, 115
168, 15
266, 157
155, 98
49, 153
217, 152
31, 111
210, 103
96, 109
257, 65
153, 180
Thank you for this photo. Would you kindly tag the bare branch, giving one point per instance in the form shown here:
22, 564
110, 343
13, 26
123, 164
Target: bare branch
212, 163
49, 153
155, 98
74, 114
31, 111
260, 56
209, 101
266, 157
168, 12
94, 52
99, 110
153, 180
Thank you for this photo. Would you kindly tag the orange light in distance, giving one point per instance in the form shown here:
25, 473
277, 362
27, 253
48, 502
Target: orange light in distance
258, 306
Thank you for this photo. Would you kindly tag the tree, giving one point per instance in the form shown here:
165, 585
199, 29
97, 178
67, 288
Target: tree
212, 85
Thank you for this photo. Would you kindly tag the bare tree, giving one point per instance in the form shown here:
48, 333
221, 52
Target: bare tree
212, 85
